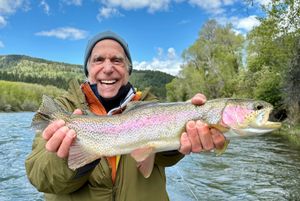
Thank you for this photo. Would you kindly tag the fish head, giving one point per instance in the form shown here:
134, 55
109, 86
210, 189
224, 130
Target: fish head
248, 117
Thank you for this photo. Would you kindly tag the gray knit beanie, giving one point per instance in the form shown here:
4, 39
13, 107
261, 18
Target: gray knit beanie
101, 36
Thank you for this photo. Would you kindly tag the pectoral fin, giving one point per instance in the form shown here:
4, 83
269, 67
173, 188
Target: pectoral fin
219, 152
219, 127
141, 154
146, 166
145, 160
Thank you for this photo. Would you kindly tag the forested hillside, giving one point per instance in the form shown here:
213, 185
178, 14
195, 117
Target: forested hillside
154, 79
21, 68
33, 70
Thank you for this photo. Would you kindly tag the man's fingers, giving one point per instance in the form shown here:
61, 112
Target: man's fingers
199, 99
193, 136
218, 138
56, 139
78, 111
205, 135
185, 144
52, 128
59, 137
64, 148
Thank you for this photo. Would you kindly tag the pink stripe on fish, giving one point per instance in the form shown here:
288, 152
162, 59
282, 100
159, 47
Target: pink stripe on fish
136, 123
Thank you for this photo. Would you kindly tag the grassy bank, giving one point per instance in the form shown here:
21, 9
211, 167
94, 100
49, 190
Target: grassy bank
291, 133
19, 96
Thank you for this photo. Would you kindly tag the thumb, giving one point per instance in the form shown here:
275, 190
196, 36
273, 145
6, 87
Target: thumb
78, 111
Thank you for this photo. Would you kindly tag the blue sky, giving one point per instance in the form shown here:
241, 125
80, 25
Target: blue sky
157, 31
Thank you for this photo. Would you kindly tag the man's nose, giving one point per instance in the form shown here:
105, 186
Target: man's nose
108, 66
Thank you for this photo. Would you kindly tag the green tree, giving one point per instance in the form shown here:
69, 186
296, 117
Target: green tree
272, 62
212, 63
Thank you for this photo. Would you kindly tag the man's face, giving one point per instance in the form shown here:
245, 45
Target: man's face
107, 68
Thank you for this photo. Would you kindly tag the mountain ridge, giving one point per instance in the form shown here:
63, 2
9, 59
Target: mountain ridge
23, 68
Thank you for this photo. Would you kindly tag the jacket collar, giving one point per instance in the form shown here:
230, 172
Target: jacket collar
96, 106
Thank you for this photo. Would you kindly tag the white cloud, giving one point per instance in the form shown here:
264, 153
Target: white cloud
1, 44
263, 2
247, 23
2, 21
65, 33
240, 25
168, 63
171, 53
8, 7
228, 2
151, 5
106, 13
167, 66
45, 6
212, 6
73, 2
160, 52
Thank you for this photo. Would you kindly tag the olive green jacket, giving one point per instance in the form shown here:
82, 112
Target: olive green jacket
51, 175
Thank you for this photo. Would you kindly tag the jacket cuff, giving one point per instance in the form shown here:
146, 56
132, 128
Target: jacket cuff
82, 171
168, 158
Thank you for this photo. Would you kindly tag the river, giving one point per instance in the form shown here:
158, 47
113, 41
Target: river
257, 168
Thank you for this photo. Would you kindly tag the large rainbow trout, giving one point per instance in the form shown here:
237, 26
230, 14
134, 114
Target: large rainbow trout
145, 128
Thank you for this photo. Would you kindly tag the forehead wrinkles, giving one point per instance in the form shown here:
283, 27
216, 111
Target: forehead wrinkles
108, 48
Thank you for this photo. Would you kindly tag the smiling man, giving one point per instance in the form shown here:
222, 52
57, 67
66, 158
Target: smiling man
107, 66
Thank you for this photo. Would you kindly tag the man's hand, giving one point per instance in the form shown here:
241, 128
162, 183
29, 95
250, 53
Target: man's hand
59, 137
198, 136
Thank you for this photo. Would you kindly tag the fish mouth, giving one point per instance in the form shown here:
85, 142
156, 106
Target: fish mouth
259, 125
271, 124
262, 120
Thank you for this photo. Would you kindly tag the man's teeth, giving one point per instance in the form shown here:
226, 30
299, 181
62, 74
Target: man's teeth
108, 81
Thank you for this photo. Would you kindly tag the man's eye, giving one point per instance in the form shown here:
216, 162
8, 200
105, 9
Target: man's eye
117, 61
98, 60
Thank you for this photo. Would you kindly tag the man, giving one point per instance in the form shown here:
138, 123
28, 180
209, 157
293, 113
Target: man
107, 66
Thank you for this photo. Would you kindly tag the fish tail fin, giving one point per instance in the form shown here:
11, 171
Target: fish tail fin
48, 112
219, 152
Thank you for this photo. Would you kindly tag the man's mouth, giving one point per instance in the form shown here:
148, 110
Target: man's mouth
108, 82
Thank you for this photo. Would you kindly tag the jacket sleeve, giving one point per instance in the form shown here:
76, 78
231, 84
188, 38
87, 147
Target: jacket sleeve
168, 158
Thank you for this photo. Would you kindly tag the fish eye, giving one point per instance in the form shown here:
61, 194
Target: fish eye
259, 107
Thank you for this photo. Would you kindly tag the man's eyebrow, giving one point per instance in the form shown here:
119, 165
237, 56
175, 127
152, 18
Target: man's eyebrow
118, 57
97, 56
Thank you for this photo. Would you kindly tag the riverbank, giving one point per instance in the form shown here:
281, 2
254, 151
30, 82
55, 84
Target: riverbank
19, 96
290, 132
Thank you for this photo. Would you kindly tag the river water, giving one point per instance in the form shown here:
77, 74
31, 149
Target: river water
259, 168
